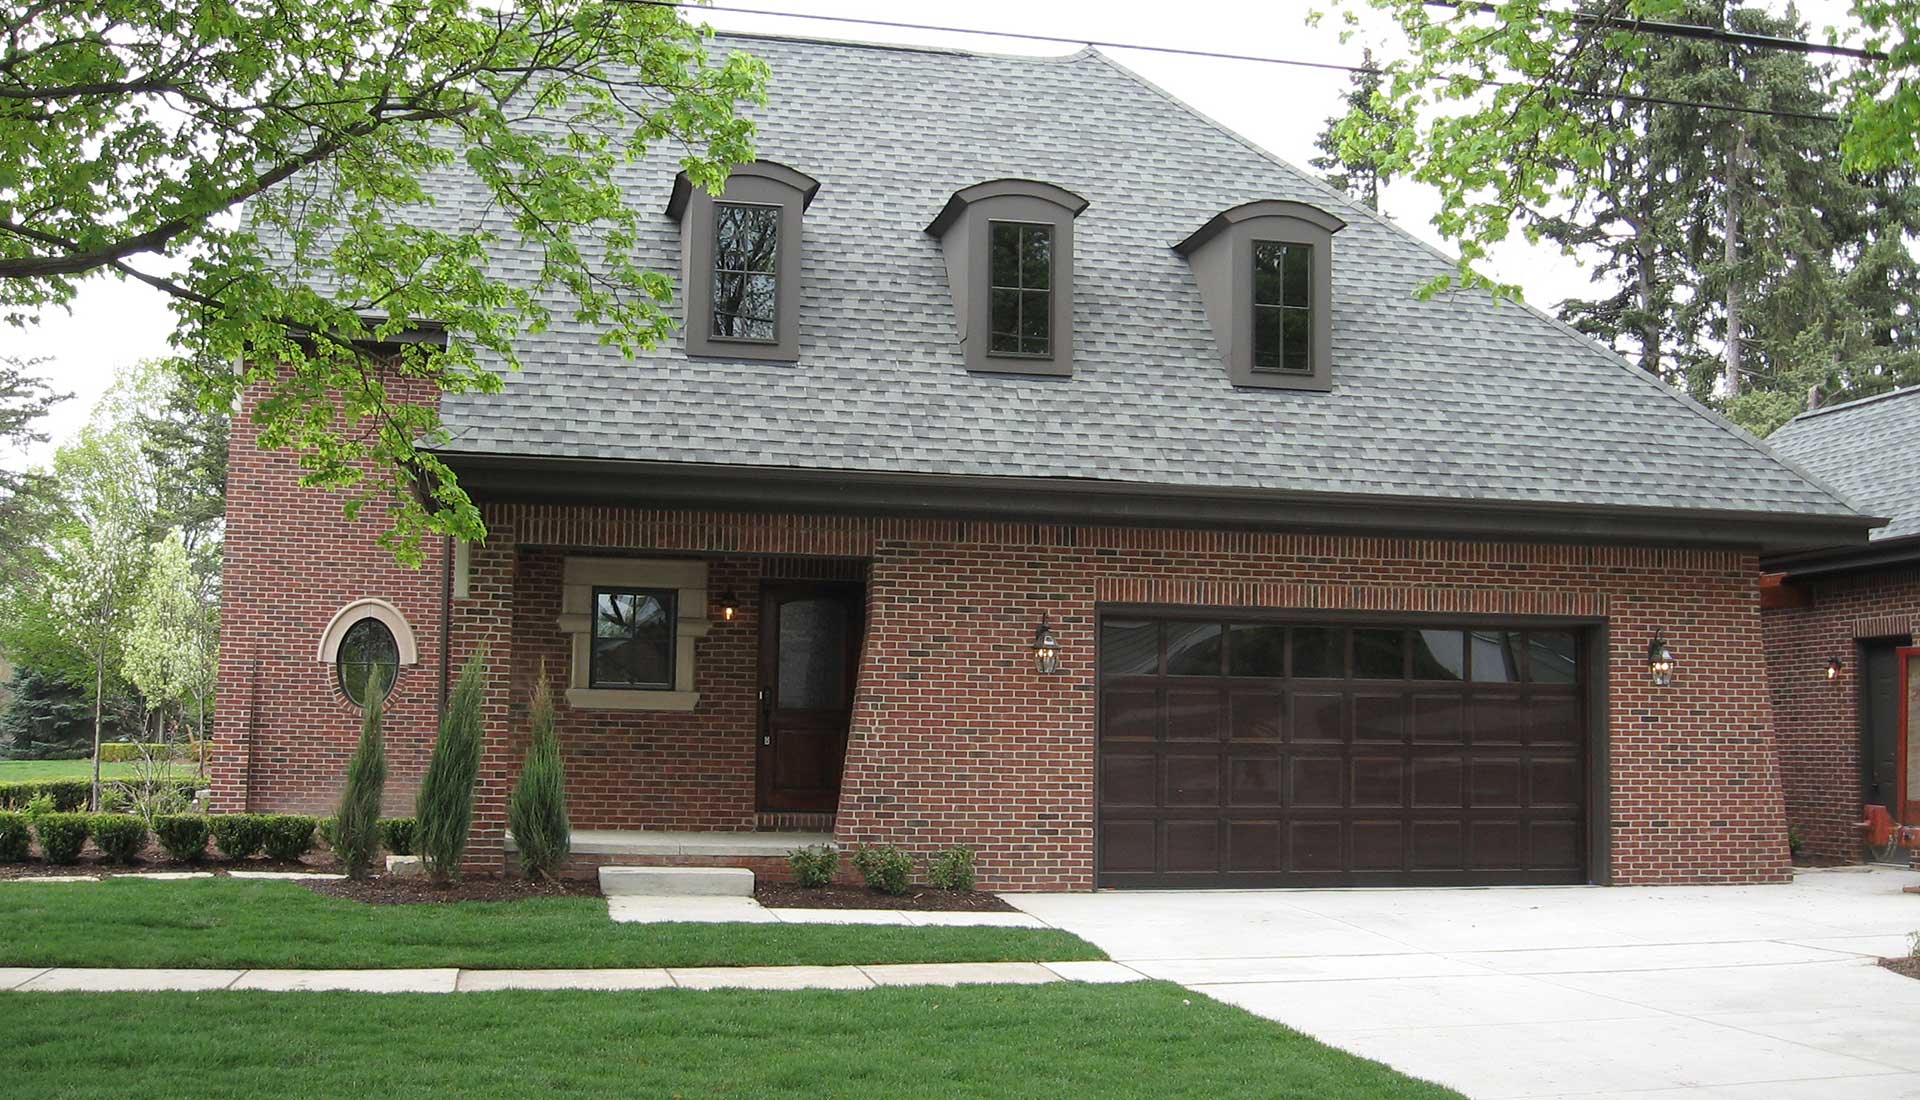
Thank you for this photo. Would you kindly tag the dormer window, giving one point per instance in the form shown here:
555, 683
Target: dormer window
740, 261
1009, 252
1265, 271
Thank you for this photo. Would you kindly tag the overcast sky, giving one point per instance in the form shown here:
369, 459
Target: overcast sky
1279, 107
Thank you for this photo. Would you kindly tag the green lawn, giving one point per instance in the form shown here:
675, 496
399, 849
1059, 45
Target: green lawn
225, 922
1145, 1040
21, 771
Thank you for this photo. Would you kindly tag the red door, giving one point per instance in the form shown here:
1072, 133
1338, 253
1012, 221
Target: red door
810, 636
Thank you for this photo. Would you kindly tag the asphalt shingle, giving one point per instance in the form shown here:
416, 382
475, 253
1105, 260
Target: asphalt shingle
1869, 450
1455, 397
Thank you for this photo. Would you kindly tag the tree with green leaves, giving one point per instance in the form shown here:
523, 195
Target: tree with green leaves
25, 400
443, 809
356, 823
537, 809
171, 644
1356, 171
132, 131
98, 553
1754, 248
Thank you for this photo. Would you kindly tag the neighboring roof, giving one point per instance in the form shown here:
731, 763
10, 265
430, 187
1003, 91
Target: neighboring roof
1869, 450
1455, 398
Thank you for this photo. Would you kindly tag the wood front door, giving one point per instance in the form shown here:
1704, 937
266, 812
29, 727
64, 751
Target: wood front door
1906, 802
810, 635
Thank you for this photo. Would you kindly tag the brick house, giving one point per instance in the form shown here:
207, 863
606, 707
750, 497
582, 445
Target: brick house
1840, 627
1044, 468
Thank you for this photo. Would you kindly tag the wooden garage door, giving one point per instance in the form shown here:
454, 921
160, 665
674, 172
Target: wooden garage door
1289, 754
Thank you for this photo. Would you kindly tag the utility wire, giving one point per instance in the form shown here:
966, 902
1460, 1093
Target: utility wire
1577, 93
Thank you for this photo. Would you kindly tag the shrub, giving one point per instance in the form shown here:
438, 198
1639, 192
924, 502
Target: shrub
184, 836
67, 795
16, 836
951, 868
39, 806
239, 835
444, 808
886, 868
288, 837
124, 752
354, 832
396, 835
62, 835
537, 810
120, 836
326, 830
814, 866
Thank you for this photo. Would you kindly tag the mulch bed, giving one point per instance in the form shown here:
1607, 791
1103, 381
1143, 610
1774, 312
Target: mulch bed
387, 890
786, 895
1908, 965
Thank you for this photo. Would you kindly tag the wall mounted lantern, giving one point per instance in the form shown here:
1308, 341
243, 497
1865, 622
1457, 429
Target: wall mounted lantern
1046, 648
1660, 660
1833, 668
729, 607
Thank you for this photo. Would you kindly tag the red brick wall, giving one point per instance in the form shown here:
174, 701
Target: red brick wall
282, 729
955, 738
1817, 722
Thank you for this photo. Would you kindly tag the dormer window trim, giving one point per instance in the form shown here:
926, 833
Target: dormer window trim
1223, 253
966, 229
761, 184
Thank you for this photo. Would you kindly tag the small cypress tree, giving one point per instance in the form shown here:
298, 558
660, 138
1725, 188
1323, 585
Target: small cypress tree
444, 808
356, 828
537, 811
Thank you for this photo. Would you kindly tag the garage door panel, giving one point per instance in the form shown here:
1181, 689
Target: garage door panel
1254, 781
1262, 754
1193, 781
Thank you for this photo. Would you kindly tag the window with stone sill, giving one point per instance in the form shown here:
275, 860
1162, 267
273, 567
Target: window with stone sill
632, 625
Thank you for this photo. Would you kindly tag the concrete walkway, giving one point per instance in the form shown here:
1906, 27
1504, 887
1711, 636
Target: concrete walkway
1685, 993
657, 910
81, 979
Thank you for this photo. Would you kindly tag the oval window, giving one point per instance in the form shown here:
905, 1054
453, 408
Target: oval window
368, 654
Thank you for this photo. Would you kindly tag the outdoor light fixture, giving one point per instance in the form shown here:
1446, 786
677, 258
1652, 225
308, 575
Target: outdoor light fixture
728, 607
1660, 660
1833, 668
1046, 648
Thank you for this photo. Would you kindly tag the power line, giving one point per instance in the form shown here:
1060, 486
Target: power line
1682, 30
1578, 93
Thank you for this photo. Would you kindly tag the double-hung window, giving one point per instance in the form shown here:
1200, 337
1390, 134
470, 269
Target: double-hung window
633, 639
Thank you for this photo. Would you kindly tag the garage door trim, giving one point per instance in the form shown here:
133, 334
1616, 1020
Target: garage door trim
1595, 669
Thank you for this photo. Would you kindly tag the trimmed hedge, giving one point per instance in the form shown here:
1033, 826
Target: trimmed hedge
239, 835
184, 836
289, 836
62, 835
68, 795
120, 837
16, 836
396, 835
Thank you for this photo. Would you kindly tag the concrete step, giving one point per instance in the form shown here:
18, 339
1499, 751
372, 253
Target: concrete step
676, 882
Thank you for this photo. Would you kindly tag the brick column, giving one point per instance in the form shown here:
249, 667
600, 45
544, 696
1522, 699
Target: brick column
483, 623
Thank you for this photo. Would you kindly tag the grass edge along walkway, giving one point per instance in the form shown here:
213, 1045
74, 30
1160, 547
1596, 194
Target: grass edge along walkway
1135, 1041
249, 924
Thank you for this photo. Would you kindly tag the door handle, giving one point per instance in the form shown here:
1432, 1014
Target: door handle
766, 739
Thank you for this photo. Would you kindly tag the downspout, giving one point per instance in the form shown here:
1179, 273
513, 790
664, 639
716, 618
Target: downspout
446, 629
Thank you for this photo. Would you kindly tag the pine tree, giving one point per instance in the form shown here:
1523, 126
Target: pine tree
537, 810
356, 829
444, 808
1362, 174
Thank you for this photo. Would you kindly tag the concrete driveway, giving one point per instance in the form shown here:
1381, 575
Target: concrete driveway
1749, 992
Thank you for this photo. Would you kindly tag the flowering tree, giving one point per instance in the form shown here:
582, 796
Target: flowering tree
170, 639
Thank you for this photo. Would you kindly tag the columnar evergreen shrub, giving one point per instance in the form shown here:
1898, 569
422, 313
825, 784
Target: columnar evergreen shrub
288, 837
396, 834
951, 868
886, 868
238, 835
184, 836
356, 824
16, 836
537, 810
62, 835
814, 865
443, 810
121, 837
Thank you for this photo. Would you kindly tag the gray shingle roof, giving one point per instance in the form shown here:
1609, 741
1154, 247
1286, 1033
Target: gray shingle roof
1454, 398
1869, 450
